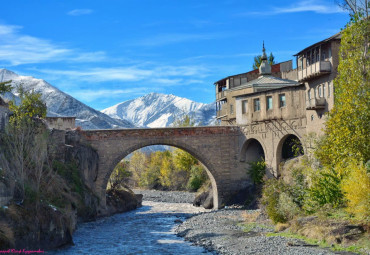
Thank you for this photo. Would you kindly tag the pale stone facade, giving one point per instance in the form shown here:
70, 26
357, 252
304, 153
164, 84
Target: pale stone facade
317, 69
277, 107
61, 123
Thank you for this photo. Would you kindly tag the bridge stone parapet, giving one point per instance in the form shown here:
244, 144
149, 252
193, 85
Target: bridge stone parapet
216, 147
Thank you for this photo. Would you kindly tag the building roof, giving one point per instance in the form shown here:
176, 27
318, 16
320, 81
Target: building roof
270, 90
274, 69
337, 36
267, 81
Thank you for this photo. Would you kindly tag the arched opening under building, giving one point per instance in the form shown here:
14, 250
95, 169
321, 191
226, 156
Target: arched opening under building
291, 147
253, 155
163, 168
253, 150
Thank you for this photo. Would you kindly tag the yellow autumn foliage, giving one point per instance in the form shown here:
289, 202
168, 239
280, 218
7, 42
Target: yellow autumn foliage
356, 187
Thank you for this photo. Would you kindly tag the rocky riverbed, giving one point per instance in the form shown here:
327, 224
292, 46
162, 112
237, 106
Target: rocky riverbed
226, 231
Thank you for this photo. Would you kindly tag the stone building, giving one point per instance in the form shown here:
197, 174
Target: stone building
279, 104
61, 123
317, 66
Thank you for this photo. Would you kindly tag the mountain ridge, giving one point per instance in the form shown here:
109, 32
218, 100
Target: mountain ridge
60, 103
161, 110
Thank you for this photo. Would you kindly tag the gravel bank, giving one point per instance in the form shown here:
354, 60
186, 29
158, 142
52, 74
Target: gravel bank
220, 231
166, 196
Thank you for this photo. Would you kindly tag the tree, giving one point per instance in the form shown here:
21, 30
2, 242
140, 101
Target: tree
150, 177
184, 160
348, 127
356, 6
31, 105
120, 176
138, 163
5, 87
258, 61
185, 120
25, 141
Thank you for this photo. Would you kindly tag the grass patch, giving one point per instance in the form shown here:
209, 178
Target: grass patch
303, 238
70, 172
322, 243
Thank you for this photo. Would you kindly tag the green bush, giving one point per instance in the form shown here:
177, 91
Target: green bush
70, 172
30, 194
325, 189
257, 170
197, 178
270, 198
287, 206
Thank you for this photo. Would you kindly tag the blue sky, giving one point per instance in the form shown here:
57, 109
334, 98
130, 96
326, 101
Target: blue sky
106, 52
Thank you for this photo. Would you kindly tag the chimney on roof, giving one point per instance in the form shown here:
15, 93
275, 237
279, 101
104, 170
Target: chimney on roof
265, 68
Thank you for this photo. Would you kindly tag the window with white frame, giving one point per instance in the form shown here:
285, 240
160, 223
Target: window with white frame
329, 87
320, 91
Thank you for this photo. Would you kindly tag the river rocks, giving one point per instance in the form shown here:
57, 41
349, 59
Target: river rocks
119, 201
204, 199
166, 196
223, 232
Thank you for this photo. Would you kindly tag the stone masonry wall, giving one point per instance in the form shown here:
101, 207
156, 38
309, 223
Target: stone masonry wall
216, 147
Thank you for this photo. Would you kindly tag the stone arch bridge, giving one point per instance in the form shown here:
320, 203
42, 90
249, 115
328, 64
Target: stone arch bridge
223, 150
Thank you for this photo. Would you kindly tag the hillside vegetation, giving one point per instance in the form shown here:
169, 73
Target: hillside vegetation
331, 183
47, 193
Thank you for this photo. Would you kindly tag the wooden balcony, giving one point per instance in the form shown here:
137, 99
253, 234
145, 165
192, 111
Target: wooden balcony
222, 113
316, 103
312, 71
221, 95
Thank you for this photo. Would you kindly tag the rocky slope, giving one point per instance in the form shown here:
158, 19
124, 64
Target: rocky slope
48, 220
62, 104
160, 110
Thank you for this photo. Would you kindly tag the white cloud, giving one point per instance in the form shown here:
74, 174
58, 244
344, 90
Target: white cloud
306, 6
79, 12
103, 74
90, 57
154, 74
18, 49
92, 95
301, 6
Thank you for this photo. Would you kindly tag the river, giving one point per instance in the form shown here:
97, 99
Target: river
147, 230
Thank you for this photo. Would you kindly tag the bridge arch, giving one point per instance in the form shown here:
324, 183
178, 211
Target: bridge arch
252, 150
288, 147
185, 147
215, 147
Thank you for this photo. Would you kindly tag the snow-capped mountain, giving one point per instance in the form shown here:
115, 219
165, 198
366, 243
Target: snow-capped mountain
61, 104
160, 110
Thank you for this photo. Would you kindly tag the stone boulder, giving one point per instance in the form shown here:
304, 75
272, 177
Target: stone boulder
204, 199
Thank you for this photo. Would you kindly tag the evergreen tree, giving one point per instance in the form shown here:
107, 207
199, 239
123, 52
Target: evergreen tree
5, 87
258, 61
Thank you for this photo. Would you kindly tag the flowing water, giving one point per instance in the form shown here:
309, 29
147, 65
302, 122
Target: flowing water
147, 230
